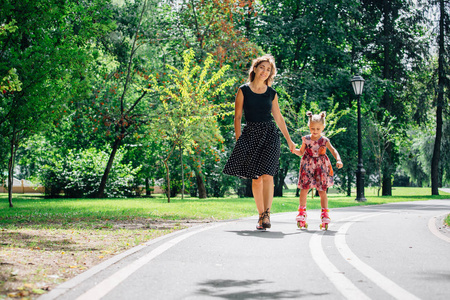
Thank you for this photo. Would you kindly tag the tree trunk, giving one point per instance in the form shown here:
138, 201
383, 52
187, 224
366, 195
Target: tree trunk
440, 100
101, 189
248, 188
349, 182
14, 144
167, 179
387, 172
387, 101
201, 186
182, 172
147, 187
279, 182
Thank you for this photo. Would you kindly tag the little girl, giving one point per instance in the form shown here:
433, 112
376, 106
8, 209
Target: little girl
315, 168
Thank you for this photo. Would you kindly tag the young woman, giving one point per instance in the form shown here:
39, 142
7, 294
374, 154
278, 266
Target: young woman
257, 148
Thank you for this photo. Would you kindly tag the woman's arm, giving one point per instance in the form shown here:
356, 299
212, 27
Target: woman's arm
335, 154
281, 123
238, 107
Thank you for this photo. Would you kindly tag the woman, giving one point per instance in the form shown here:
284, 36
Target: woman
257, 149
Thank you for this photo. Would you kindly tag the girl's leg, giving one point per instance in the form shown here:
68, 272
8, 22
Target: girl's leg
324, 213
323, 199
301, 217
303, 196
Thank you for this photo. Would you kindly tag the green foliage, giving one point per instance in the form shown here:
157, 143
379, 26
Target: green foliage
78, 73
77, 174
187, 111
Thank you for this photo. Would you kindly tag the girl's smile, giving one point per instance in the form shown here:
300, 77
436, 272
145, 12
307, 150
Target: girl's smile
316, 130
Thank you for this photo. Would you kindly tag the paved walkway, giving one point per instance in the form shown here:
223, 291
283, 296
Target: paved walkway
394, 251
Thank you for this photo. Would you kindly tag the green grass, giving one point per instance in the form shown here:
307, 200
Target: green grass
36, 211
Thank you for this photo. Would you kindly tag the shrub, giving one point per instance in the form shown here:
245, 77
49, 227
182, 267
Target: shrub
78, 174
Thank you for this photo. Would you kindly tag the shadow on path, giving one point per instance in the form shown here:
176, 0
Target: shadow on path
269, 234
249, 289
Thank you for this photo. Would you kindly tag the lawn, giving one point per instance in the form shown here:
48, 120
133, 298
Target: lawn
38, 212
44, 242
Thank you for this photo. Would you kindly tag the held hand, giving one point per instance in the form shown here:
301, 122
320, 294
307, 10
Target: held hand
339, 164
296, 152
291, 146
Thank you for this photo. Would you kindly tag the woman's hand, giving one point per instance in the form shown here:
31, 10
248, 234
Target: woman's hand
291, 145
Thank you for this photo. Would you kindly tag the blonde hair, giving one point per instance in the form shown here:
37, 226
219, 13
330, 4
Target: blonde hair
320, 118
257, 61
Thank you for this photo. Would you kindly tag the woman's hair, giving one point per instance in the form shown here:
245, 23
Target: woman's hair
265, 58
320, 118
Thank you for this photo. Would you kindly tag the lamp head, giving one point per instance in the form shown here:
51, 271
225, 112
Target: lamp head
358, 84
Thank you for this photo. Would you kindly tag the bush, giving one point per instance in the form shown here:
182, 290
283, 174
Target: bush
78, 174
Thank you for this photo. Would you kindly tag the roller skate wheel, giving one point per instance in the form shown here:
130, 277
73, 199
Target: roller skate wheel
321, 226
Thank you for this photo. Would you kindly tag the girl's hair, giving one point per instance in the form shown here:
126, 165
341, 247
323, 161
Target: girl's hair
320, 118
265, 58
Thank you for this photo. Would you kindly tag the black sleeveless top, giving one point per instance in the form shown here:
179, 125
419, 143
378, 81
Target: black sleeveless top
258, 107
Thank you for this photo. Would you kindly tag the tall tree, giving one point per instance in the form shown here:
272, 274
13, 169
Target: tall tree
187, 114
443, 85
394, 44
48, 51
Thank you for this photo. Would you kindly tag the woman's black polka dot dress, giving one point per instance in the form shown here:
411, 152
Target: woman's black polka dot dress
257, 150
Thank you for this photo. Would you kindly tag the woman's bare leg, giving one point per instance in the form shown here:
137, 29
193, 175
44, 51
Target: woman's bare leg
267, 191
257, 189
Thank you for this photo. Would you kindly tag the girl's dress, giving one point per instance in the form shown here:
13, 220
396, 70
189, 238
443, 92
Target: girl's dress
257, 151
315, 166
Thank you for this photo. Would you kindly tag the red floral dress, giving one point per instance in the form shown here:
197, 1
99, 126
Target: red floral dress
315, 166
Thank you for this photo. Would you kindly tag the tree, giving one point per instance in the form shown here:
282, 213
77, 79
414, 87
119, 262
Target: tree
188, 113
210, 26
443, 85
47, 49
119, 108
394, 42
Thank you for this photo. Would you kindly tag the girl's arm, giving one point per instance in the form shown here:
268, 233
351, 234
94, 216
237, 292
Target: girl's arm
281, 123
300, 151
335, 154
238, 107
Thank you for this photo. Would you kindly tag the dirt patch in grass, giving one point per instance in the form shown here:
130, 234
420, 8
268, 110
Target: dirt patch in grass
33, 260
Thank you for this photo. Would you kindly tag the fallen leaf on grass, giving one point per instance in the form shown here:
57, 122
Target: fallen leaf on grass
38, 291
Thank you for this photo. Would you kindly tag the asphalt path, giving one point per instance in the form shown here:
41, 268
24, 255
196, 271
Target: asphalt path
393, 251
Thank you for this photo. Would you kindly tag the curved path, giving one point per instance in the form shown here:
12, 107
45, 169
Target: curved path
394, 251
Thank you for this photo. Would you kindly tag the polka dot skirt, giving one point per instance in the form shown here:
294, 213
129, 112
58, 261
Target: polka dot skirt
256, 152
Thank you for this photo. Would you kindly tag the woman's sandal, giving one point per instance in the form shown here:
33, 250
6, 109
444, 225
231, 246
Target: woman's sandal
266, 219
260, 226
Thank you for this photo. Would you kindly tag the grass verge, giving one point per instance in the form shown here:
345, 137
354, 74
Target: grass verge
44, 242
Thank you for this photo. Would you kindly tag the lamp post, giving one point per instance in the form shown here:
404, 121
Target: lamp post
358, 84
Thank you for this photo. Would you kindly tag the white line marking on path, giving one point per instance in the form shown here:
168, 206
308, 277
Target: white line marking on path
435, 231
342, 283
383, 282
114, 280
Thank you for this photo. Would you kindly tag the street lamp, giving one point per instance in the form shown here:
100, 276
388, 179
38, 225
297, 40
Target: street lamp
358, 84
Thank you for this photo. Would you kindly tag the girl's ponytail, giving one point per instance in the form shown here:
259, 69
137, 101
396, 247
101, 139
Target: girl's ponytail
320, 118
310, 115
